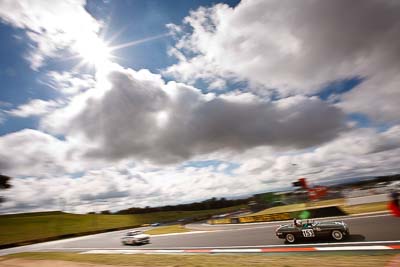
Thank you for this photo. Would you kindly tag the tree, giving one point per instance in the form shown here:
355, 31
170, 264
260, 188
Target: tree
105, 212
4, 184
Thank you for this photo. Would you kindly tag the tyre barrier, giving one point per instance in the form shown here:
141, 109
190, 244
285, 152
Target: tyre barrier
266, 217
317, 212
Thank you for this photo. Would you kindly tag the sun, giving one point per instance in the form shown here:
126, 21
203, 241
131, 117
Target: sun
93, 51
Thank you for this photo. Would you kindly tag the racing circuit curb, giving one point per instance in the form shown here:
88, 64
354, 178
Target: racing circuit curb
241, 250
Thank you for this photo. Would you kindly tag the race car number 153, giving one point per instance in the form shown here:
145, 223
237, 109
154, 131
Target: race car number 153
308, 233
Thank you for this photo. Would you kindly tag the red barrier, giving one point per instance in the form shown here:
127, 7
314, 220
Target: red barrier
394, 208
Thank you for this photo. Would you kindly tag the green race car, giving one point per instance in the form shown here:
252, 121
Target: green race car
310, 229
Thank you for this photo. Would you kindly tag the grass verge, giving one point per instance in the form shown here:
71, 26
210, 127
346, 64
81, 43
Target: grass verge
356, 209
176, 228
21, 228
302, 206
364, 208
273, 260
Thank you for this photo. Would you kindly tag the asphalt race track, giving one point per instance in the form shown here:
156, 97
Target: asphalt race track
363, 229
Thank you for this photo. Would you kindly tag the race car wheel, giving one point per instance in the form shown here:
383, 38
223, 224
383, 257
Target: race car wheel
337, 235
290, 238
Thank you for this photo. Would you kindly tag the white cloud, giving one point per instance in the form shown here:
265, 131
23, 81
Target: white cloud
30, 152
51, 25
69, 83
359, 153
2, 117
34, 153
363, 142
378, 97
4, 104
117, 188
35, 107
292, 47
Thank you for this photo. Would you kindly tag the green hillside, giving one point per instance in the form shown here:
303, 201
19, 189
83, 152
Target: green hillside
32, 226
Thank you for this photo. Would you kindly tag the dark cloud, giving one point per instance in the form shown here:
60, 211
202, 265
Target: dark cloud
104, 196
146, 119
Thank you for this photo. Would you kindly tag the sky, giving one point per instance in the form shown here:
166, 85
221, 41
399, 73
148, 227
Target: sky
106, 105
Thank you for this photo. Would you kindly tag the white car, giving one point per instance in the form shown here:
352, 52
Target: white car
135, 237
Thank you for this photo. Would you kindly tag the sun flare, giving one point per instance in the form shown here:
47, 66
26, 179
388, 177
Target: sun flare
94, 51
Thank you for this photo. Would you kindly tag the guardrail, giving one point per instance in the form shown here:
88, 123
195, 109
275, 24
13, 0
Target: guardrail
367, 199
367, 192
